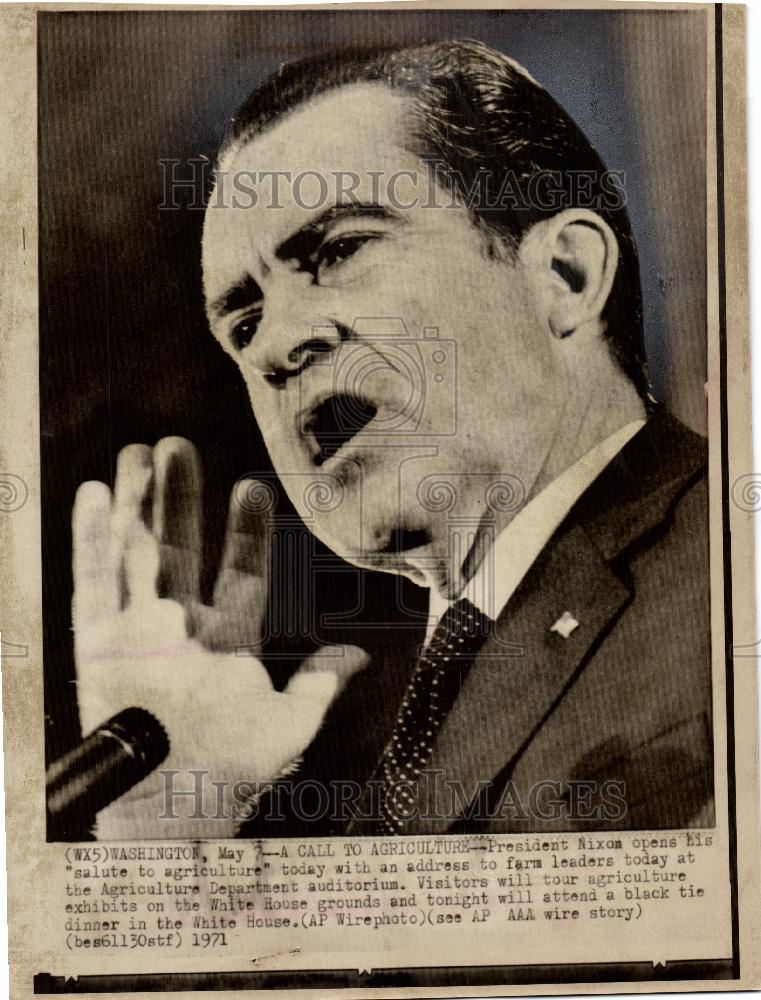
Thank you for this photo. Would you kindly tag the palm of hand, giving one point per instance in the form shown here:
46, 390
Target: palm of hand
181, 659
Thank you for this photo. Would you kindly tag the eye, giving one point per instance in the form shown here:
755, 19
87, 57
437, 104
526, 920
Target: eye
242, 332
340, 249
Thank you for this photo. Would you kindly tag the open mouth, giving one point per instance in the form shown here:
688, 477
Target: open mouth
335, 421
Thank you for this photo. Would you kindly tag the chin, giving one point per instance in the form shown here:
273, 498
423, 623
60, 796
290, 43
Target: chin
377, 544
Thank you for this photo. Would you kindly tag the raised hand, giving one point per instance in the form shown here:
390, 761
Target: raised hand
142, 637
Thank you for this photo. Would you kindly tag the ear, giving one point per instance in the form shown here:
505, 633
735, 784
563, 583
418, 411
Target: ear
573, 257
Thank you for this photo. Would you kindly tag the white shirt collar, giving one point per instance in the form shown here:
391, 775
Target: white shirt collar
518, 545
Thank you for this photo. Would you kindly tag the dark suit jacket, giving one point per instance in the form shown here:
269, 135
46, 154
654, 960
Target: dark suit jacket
625, 698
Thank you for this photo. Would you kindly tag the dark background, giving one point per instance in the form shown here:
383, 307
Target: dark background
125, 354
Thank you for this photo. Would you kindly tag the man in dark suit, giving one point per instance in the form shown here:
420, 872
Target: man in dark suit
439, 325
606, 727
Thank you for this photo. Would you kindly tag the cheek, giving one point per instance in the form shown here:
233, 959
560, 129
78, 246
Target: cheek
268, 419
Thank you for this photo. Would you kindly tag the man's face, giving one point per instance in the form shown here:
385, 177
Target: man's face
384, 350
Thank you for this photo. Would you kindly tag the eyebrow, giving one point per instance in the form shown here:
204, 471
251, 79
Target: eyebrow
246, 292
238, 296
307, 234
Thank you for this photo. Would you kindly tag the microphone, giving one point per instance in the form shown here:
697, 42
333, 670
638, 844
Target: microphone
106, 764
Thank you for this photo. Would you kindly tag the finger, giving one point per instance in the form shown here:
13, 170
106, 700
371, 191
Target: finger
134, 472
343, 662
176, 522
313, 688
234, 623
132, 490
243, 578
96, 583
200, 620
141, 565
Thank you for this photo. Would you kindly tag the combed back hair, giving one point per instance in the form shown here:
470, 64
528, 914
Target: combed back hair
476, 113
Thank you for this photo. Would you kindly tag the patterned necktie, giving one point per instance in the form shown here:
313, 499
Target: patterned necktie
433, 687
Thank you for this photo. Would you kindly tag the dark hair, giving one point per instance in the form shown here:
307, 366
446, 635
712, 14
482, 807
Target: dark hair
478, 114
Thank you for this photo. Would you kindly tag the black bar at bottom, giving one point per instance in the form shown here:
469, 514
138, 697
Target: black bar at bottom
479, 975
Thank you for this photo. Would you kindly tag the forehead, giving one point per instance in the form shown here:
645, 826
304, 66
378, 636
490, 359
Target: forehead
355, 136
356, 121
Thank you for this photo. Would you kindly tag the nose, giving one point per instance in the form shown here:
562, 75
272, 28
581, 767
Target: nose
289, 339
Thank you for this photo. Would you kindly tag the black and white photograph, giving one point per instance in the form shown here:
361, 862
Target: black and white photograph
374, 375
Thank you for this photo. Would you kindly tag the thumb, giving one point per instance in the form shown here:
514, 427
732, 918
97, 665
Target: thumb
329, 666
313, 688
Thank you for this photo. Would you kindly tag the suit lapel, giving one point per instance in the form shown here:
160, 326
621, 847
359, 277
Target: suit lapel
523, 670
526, 667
